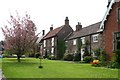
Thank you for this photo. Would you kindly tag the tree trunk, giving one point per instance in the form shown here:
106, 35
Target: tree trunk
18, 57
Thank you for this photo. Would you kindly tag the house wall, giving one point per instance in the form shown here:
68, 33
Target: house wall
49, 46
93, 45
64, 32
59, 37
111, 26
96, 45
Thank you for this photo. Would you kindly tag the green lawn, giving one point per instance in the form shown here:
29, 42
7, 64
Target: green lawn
0, 63
28, 68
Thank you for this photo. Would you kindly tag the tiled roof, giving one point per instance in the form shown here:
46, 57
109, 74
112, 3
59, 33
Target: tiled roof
91, 29
53, 32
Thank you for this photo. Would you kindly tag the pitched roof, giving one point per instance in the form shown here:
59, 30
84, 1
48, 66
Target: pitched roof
91, 29
39, 39
53, 32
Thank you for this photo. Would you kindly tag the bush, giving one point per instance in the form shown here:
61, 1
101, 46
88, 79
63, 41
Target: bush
103, 57
5, 55
51, 57
68, 56
31, 55
37, 55
88, 59
115, 60
77, 57
113, 65
117, 56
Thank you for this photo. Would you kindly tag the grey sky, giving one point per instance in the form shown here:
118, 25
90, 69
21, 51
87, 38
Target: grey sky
47, 12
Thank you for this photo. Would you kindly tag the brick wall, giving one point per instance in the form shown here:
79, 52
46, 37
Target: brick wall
111, 26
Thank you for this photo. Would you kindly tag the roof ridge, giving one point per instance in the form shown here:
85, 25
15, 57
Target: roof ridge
53, 32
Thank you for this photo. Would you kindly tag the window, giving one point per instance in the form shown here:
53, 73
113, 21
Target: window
52, 41
66, 43
117, 41
52, 50
83, 40
95, 38
44, 43
119, 14
74, 41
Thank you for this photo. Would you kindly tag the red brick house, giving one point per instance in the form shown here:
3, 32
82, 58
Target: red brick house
53, 41
110, 26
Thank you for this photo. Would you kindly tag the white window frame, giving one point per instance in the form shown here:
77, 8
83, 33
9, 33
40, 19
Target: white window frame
95, 37
83, 40
74, 41
52, 41
44, 43
52, 50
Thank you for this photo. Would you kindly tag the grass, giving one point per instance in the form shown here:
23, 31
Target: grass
0, 63
28, 68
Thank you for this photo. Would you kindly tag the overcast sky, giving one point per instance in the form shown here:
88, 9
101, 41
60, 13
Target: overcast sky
47, 12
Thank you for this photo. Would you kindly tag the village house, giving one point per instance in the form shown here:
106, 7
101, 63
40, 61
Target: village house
103, 35
53, 41
39, 42
87, 37
110, 26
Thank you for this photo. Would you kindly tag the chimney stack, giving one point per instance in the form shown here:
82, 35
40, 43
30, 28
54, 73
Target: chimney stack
51, 28
43, 32
78, 26
67, 21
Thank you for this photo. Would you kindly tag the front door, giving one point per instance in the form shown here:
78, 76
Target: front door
82, 52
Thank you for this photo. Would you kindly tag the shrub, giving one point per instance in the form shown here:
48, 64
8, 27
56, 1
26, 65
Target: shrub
113, 65
51, 57
68, 56
103, 57
5, 55
77, 57
88, 59
31, 55
96, 53
117, 56
37, 55
115, 60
